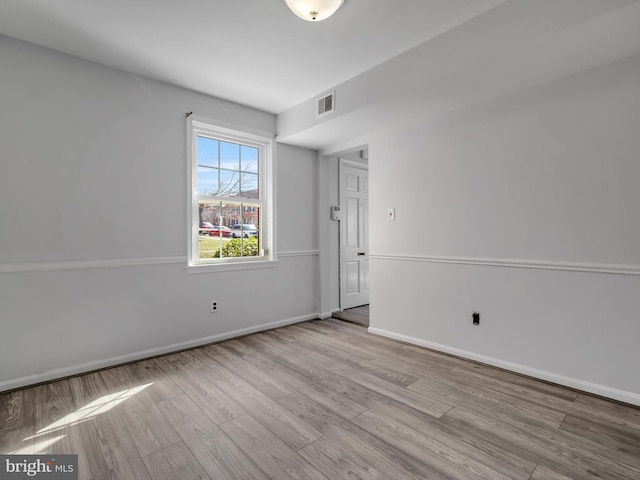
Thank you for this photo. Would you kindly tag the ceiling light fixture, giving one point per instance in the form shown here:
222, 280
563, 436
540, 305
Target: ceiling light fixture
314, 10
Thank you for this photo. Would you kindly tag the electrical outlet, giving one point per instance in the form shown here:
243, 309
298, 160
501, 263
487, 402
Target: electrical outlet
214, 307
475, 316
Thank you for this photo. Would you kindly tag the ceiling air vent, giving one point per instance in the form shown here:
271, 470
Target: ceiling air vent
326, 105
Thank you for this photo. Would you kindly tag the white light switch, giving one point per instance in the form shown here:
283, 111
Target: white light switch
391, 214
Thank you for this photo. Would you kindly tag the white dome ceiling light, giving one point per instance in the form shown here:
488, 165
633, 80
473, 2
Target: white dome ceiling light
314, 10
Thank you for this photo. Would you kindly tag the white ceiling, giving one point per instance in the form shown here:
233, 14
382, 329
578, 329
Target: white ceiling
518, 45
253, 52
388, 61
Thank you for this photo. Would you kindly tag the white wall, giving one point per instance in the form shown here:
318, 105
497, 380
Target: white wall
93, 221
497, 206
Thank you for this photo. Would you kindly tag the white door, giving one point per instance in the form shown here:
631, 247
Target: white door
354, 237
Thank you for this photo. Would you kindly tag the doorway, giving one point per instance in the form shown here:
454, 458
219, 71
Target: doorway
354, 235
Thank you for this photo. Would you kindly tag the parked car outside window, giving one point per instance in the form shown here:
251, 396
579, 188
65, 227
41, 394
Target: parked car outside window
205, 228
208, 228
244, 231
217, 231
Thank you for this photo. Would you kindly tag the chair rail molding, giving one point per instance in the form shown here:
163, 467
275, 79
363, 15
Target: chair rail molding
608, 268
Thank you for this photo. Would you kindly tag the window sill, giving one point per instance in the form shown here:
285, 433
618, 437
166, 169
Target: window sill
229, 267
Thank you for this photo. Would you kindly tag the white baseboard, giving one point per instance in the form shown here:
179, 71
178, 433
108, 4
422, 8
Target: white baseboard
325, 315
608, 392
131, 357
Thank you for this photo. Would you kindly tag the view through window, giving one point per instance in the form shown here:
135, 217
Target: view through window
229, 195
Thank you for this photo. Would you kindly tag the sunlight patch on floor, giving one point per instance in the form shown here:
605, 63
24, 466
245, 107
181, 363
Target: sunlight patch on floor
42, 438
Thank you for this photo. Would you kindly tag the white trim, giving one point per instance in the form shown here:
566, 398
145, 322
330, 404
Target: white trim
325, 315
152, 352
270, 178
266, 143
604, 391
230, 128
134, 262
230, 266
352, 163
192, 222
86, 264
611, 268
299, 253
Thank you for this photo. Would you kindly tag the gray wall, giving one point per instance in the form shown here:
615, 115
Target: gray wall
93, 229
516, 208
524, 209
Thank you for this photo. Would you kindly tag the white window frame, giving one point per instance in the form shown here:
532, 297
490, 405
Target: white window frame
200, 126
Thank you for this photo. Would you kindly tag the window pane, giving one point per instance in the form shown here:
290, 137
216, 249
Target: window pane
229, 156
229, 183
210, 216
212, 235
207, 182
210, 247
249, 185
229, 195
251, 216
249, 159
245, 230
207, 152
230, 215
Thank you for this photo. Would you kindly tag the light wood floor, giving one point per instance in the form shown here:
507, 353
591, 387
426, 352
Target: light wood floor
320, 400
357, 315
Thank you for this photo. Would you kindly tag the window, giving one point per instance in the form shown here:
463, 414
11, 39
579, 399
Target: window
230, 196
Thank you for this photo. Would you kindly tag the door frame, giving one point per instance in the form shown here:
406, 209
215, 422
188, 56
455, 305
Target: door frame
343, 162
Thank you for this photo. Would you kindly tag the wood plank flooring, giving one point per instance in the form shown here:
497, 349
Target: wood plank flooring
321, 400
357, 315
